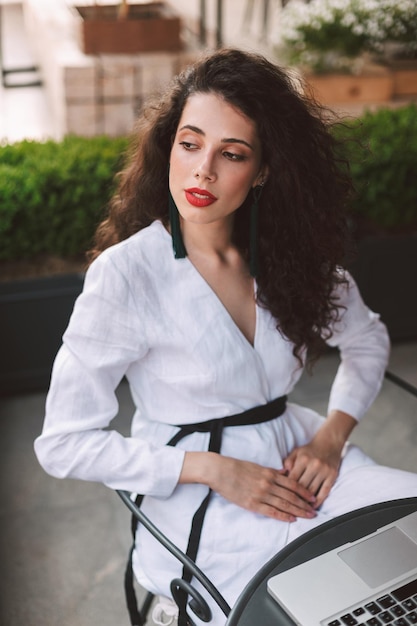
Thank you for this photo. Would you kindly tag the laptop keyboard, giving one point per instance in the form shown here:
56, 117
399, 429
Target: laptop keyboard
398, 608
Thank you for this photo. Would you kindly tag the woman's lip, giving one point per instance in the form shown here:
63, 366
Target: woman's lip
199, 197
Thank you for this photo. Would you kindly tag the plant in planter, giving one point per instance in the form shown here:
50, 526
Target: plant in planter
395, 43
383, 164
393, 29
349, 37
125, 28
323, 35
383, 215
52, 196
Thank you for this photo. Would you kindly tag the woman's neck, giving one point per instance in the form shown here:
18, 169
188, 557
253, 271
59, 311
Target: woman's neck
210, 240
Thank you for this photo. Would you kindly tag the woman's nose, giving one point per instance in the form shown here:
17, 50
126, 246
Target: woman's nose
206, 167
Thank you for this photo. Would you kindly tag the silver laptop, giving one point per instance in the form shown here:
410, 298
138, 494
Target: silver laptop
371, 581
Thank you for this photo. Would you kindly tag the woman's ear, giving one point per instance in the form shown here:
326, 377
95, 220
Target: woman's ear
262, 177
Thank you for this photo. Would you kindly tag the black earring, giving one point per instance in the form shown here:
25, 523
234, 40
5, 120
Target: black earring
174, 220
253, 239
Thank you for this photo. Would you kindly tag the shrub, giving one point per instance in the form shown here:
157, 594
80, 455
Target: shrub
383, 164
53, 194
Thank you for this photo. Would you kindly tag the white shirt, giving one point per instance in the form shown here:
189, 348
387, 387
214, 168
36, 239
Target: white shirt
152, 318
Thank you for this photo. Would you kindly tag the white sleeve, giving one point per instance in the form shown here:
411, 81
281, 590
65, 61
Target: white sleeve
105, 335
364, 348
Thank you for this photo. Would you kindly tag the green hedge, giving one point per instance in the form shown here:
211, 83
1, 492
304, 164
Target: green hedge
53, 194
383, 163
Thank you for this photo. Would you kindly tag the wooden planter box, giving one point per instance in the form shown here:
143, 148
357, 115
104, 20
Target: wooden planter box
346, 88
34, 314
404, 74
149, 27
386, 273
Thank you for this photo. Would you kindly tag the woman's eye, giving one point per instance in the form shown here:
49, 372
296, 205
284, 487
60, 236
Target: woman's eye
188, 145
234, 157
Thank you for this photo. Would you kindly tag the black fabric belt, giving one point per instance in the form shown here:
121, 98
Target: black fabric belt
256, 415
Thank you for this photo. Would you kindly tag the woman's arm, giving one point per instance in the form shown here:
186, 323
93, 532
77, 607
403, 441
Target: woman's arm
105, 335
363, 344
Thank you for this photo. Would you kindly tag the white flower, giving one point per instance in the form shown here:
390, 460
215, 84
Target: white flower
353, 26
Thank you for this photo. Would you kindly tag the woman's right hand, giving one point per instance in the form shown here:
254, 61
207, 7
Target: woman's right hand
259, 489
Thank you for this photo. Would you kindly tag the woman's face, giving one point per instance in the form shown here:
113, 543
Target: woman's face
215, 159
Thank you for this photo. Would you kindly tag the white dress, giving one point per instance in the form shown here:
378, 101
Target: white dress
152, 318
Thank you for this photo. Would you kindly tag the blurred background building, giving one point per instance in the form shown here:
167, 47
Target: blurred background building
73, 92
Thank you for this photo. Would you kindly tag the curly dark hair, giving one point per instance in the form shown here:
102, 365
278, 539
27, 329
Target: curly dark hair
302, 238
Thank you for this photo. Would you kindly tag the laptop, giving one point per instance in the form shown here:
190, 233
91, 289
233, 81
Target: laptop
371, 581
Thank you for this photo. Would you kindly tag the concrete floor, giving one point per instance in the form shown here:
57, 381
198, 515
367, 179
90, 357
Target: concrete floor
63, 544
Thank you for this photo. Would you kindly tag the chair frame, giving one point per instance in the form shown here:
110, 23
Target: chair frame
198, 603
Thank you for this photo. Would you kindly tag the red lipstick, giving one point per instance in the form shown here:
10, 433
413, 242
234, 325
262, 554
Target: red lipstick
199, 197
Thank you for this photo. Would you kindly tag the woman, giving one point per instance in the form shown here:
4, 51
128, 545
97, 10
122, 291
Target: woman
237, 172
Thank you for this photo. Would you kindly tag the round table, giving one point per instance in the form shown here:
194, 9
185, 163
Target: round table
256, 606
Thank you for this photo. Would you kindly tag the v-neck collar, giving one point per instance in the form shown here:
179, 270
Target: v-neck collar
224, 310
214, 297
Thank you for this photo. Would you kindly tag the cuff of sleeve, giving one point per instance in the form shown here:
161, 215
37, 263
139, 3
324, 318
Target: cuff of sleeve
167, 466
349, 406
156, 474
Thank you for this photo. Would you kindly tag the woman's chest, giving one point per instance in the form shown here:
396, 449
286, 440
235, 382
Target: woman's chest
192, 336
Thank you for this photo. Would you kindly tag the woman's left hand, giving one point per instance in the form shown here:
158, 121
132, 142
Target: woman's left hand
316, 464
315, 467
